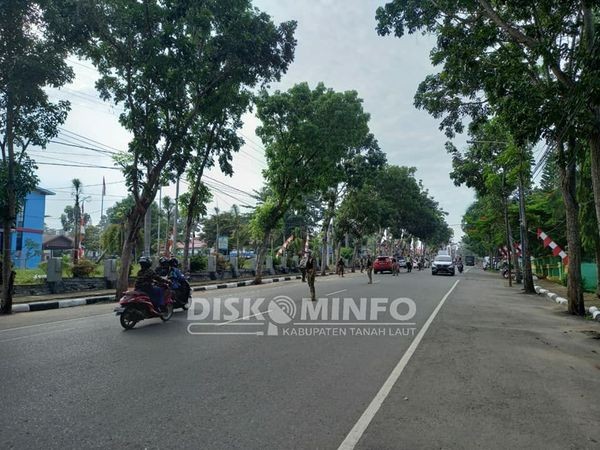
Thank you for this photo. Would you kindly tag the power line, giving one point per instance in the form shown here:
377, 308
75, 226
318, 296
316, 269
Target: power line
89, 166
106, 152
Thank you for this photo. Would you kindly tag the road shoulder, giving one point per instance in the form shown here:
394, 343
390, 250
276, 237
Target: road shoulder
498, 369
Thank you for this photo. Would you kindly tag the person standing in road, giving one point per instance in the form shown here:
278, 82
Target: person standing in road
369, 265
311, 272
302, 266
340, 267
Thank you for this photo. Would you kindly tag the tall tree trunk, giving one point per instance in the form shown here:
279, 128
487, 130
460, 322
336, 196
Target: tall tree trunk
189, 223
329, 213
261, 255
10, 215
355, 254
507, 229
527, 272
595, 168
567, 170
132, 229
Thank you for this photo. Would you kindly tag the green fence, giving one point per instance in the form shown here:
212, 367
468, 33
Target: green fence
551, 267
590, 276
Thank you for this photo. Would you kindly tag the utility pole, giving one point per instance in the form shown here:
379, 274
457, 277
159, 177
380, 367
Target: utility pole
528, 275
217, 237
507, 225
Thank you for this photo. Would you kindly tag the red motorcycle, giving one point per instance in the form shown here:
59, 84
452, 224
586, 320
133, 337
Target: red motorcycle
136, 306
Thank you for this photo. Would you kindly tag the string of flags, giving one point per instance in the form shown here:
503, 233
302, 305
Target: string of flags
518, 250
556, 250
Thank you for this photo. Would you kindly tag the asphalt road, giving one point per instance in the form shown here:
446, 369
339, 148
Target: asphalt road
493, 369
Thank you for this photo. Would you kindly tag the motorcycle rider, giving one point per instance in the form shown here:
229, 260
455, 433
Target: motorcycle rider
164, 267
147, 280
177, 277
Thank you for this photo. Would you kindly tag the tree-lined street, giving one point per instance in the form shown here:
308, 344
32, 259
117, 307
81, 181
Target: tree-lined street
493, 370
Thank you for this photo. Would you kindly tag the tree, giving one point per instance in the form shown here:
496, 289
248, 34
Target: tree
67, 218
589, 239
168, 208
33, 44
306, 133
193, 208
217, 139
77, 189
165, 62
352, 170
360, 214
533, 66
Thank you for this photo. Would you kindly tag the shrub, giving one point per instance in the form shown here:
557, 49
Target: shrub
198, 263
83, 268
222, 264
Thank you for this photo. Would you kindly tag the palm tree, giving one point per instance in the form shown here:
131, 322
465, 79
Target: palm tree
77, 190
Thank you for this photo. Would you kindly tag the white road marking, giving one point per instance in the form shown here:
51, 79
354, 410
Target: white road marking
336, 292
35, 335
57, 321
363, 422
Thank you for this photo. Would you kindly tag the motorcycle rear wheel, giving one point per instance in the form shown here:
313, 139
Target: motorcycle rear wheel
168, 313
127, 319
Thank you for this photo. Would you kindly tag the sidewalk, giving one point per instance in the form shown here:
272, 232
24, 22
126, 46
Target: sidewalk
590, 299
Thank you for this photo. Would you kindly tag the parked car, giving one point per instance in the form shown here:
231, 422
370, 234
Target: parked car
401, 262
382, 264
442, 264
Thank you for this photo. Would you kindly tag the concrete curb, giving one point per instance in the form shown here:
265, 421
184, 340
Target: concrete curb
68, 303
592, 310
71, 302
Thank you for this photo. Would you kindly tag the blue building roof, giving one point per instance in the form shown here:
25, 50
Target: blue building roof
44, 191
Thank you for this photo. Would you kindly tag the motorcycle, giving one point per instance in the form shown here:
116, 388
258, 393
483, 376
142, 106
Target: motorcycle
505, 273
136, 306
460, 267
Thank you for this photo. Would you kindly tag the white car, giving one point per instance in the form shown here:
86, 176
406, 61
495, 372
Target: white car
442, 264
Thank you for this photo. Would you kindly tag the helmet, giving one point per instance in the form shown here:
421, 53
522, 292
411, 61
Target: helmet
163, 261
145, 262
174, 262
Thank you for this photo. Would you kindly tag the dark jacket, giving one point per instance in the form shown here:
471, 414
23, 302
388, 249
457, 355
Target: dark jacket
146, 279
311, 264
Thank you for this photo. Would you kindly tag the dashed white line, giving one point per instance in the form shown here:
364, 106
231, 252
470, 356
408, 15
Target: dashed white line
336, 292
36, 334
55, 322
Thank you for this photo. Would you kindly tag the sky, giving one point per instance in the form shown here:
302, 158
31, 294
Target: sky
338, 45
